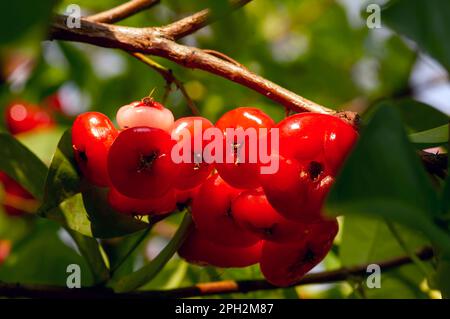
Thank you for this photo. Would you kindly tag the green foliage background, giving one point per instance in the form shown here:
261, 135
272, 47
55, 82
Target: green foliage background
391, 207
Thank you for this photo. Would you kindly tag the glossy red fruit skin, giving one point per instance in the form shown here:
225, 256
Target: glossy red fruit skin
191, 175
242, 175
297, 190
316, 137
252, 211
312, 150
13, 189
139, 163
21, 117
152, 206
185, 197
92, 135
285, 264
197, 249
211, 211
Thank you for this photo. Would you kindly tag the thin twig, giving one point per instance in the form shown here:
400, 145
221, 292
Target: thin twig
203, 289
122, 11
191, 24
169, 77
150, 41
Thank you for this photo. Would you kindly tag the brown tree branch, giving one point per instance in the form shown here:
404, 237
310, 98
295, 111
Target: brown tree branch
170, 78
122, 11
153, 41
223, 56
203, 289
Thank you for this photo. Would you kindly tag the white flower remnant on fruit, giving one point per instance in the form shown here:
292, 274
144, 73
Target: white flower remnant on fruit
241, 146
73, 16
374, 19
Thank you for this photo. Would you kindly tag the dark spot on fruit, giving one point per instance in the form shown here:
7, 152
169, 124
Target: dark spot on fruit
309, 256
269, 230
315, 169
146, 161
229, 213
83, 156
182, 205
305, 257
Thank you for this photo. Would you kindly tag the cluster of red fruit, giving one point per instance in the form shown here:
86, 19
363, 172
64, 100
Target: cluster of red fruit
241, 216
21, 117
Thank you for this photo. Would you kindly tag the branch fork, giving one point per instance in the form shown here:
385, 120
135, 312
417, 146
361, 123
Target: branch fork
161, 41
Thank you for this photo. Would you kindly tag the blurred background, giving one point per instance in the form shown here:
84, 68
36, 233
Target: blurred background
320, 49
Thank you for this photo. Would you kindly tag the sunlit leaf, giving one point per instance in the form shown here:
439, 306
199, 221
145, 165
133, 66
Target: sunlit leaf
425, 22
383, 178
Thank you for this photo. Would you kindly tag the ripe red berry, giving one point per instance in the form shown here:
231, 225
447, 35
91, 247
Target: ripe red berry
145, 113
197, 249
312, 147
211, 211
238, 169
15, 198
139, 163
133, 206
322, 138
92, 136
22, 117
297, 190
185, 197
193, 170
285, 264
252, 212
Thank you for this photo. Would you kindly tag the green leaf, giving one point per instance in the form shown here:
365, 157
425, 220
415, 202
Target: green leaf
435, 136
87, 213
418, 116
399, 283
20, 17
368, 240
22, 165
42, 258
90, 250
442, 278
148, 272
71, 214
62, 181
105, 222
123, 252
444, 218
383, 177
42, 143
425, 22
